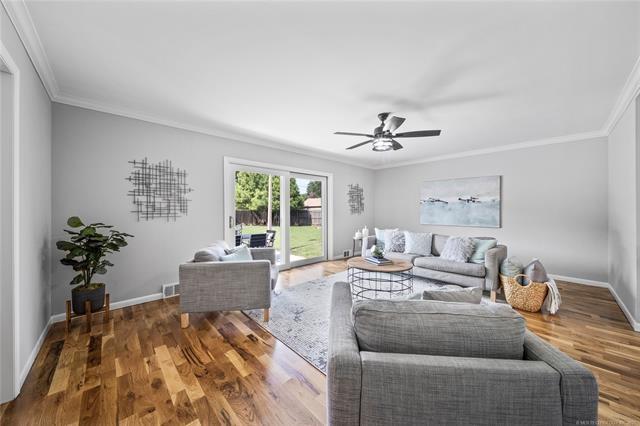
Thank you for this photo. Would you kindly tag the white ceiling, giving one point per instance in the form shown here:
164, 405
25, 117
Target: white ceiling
487, 73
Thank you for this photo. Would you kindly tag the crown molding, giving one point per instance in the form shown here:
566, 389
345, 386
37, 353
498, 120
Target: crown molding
21, 20
576, 137
210, 131
629, 92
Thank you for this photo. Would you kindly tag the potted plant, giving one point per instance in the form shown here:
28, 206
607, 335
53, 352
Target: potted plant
87, 249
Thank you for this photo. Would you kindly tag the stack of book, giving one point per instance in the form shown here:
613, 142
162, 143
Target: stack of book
378, 260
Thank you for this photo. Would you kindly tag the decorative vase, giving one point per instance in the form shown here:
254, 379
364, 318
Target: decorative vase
80, 295
365, 232
358, 235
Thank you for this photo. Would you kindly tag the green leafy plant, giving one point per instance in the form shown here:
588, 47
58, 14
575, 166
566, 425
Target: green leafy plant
87, 249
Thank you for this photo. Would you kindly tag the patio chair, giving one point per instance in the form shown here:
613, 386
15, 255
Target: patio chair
271, 237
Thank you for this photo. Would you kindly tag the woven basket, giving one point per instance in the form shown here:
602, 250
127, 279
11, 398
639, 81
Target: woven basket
524, 297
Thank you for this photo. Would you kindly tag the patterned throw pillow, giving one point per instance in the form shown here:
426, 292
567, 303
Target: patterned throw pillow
458, 249
417, 243
396, 242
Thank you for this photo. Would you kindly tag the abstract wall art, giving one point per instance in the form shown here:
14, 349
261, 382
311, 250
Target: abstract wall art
461, 202
159, 190
355, 198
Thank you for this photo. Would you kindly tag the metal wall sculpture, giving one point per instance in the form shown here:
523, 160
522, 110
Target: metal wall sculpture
355, 198
159, 190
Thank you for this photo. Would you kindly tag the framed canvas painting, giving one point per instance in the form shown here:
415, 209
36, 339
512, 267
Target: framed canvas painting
461, 202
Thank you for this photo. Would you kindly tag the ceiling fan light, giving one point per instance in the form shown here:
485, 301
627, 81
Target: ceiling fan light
382, 144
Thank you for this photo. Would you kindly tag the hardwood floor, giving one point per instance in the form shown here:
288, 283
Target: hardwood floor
142, 368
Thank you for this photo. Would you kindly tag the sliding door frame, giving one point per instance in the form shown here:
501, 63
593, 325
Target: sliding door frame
228, 223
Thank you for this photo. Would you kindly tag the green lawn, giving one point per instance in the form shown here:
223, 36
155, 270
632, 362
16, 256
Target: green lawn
306, 241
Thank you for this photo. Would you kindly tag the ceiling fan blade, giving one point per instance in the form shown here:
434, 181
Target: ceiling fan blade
353, 134
396, 145
360, 144
417, 134
393, 123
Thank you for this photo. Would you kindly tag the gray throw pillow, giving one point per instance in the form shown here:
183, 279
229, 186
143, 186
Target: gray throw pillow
463, 295
458, 249
205, 255
536, 272
396, 242
417, 243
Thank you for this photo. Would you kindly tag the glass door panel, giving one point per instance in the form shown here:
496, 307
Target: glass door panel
257, 200
307, 219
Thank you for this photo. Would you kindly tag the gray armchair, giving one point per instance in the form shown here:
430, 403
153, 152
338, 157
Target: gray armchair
228, 286
524, 380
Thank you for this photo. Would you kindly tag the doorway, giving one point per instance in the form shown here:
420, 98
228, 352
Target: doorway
279, 207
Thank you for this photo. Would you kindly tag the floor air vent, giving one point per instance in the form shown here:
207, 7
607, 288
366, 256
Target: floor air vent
170, 290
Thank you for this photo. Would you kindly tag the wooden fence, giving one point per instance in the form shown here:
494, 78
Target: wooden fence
299, 217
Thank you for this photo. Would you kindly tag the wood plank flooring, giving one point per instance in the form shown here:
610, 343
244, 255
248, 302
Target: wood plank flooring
142, 368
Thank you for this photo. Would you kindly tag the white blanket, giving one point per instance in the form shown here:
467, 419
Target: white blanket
552, 301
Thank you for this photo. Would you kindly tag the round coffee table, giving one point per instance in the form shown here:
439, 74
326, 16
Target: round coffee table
371, 281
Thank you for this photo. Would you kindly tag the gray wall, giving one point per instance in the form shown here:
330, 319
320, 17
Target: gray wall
90, 154
623, 210
34, 198
554, 203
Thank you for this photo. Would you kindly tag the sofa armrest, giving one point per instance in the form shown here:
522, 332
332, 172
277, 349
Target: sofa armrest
368, 242
492, 261
264, 253
410, 389
578, 386
225, 286
344, 372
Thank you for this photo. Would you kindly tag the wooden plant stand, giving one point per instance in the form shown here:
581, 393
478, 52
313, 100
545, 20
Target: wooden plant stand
88, 313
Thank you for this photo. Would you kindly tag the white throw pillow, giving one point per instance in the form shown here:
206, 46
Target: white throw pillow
458, 249
383, 237
417, 243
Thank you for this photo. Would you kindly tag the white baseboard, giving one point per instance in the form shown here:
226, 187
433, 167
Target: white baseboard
634, 324
632, 321
118, 305
579, 280
32, 356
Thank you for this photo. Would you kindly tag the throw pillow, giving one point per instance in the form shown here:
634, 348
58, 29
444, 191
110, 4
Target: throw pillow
482, 245
457, 249
206, 255
536, 272
417, 243
464, 295
241, 254
383, 237
511, 267
396, 243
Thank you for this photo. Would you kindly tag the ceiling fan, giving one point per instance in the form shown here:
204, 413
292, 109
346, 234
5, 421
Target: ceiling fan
383, 136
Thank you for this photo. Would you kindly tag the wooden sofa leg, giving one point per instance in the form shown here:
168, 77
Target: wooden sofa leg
265, 315
184, 320
494, 294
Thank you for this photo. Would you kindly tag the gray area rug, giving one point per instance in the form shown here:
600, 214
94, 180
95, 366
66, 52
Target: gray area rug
300, 316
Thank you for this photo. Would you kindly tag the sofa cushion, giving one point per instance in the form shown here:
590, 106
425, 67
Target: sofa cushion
437, 243
417, 243
461, 295
401, 256
213, 253
439, 264
439, 328
383, 236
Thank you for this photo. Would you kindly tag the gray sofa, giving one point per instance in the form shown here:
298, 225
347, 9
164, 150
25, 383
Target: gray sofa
465, 274
399, 363
228, 286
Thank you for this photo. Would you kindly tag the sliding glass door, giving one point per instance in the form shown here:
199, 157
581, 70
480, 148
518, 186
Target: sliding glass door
271, 207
